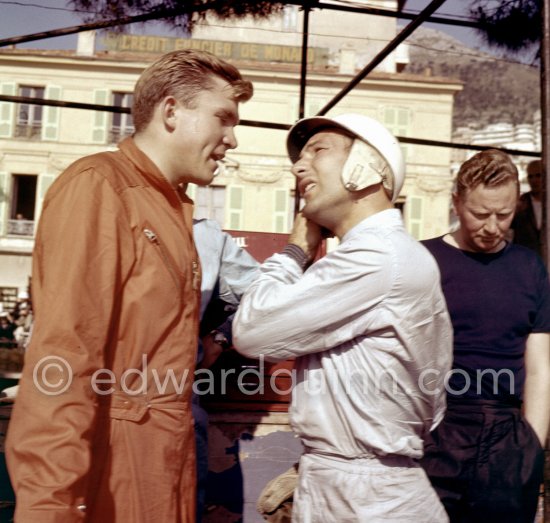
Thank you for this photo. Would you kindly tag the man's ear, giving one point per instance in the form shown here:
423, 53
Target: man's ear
456, 202
167, 109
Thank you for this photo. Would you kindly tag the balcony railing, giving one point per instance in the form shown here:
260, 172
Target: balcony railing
20, 228
31, 131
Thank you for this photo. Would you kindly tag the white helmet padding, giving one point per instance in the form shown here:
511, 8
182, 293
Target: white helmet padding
368, 130
365, 167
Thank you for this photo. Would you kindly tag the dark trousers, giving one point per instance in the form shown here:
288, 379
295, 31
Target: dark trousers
486, 463
201, 442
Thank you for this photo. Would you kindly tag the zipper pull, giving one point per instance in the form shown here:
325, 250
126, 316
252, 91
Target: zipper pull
196, 276
151, 236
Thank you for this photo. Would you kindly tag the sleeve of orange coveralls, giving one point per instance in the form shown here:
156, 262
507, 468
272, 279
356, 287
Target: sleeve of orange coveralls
83, 252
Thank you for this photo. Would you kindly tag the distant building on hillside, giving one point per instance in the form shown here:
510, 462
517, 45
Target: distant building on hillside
523, 137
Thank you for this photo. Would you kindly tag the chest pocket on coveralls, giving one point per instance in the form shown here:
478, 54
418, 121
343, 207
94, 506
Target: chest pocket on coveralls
166, 258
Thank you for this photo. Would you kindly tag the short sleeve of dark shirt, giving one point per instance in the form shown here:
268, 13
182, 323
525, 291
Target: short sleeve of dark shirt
495, 301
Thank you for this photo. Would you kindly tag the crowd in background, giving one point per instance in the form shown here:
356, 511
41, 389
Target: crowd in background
15, 325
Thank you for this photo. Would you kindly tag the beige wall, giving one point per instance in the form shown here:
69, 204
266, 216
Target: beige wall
258, 175
16, 269
426, 110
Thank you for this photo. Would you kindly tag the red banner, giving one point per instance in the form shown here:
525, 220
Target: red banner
260, 245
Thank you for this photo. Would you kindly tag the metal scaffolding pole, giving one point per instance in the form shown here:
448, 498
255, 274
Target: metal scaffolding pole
404, 34
545, 126
303, 82
545, 145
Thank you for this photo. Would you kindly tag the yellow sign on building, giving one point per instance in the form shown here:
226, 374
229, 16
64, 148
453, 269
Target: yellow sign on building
227, 50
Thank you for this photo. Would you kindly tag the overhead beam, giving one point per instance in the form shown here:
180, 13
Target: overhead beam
392, 14
169, 13
255, 123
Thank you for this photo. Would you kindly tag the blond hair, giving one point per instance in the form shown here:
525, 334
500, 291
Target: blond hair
490, 167
183, 74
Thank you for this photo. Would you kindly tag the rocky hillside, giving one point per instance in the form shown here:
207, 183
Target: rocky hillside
495, 90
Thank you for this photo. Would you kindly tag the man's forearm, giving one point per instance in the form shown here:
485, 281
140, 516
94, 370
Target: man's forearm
537, 404
536, 394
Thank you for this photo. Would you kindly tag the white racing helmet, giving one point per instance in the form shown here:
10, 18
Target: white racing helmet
367, 129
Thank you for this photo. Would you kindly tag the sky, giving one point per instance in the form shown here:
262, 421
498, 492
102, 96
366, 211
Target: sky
24, 17
451, 9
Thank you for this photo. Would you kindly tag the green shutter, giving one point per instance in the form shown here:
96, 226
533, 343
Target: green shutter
313, 107
403, 117
281, 200
99, 129
236, 198
7, 111
281, 214
191, 191
43, 184
415, 213
4, 201
389, 117
398, 121
234, 215
50, 122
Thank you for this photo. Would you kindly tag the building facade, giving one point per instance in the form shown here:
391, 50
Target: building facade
250, 440
255, 190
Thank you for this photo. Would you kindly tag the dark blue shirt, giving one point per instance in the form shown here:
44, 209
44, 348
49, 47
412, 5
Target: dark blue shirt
495, 301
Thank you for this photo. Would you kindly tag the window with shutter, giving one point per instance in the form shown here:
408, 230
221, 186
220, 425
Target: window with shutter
50, 127
4, 200
22, 205
44, 182
7, 111
29, 116
122, 124
398, 121
414, 207
235, 208
99, 128
281, 214
209, 203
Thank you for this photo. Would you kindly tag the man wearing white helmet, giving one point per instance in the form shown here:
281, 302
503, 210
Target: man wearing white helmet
367, 324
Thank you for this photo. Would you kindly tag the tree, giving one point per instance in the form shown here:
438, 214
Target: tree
513, 25
182, 14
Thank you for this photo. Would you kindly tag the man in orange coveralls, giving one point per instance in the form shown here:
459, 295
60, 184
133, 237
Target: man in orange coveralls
102, 427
